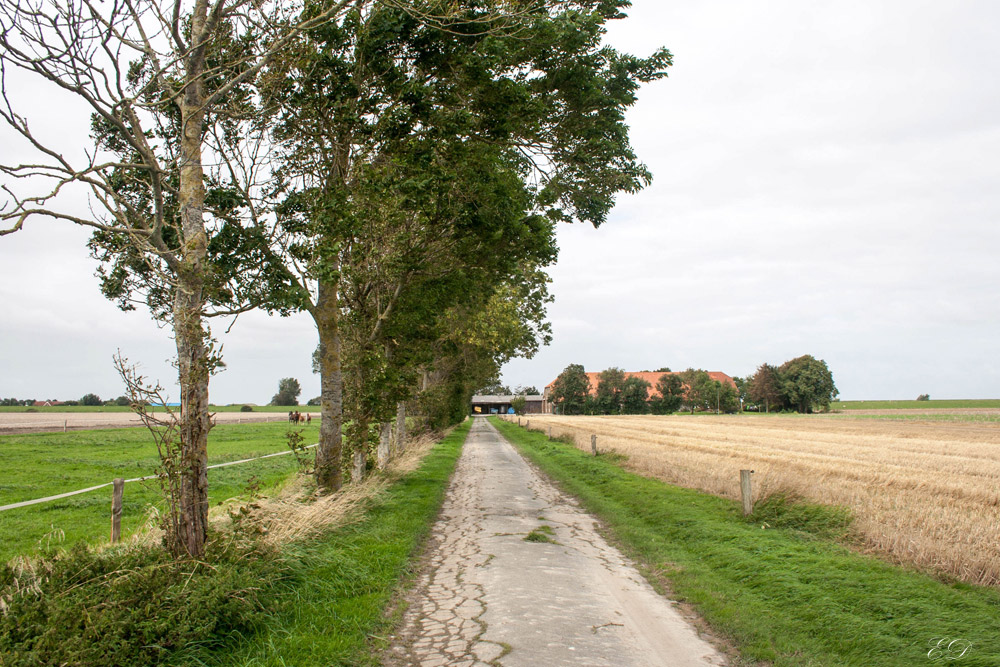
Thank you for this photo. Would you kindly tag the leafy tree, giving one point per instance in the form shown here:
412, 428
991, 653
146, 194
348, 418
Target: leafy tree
610, 384
91, 399
529, 390
635, 396
517, 404
727, 398
571, 390
433, 154
168, 86
670, 388
495, 388
766, 388
699, 392
807, 383
123, 401
313, 402
924, 397
288, 392
742, 390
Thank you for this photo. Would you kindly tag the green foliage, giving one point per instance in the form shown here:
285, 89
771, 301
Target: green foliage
571, 390
91, 400
776, 586
806, 383
132, 606
288, 392
634, 396
765, 388
924, 397
608, 398
517, 404
670, 394
246, 408
313, 402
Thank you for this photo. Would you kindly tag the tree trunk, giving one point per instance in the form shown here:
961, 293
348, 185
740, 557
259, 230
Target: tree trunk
326, 314
400, 427
358, 469
384, 439
189, 332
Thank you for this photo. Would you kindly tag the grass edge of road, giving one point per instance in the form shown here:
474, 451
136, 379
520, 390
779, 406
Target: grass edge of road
780, 588
342, 604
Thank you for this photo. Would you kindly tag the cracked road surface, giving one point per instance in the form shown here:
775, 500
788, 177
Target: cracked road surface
488, 596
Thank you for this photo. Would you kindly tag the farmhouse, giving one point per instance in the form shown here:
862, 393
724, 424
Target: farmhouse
492, 405
649, 376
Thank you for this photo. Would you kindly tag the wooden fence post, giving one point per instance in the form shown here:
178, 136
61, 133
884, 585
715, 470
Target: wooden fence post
116, 509
518, 421
65, 422
593, 444
527, 424
746, 491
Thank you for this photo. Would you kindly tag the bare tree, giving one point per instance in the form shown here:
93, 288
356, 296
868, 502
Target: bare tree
169, 89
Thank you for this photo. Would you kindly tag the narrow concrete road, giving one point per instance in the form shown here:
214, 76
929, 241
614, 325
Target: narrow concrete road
491, 597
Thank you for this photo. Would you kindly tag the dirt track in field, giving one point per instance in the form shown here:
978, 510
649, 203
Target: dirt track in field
53, 422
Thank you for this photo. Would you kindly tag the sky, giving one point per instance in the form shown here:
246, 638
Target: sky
825, 182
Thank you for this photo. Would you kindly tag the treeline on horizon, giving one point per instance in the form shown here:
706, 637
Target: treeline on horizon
804, 385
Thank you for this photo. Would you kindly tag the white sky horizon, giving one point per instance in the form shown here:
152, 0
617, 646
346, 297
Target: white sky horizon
825, 183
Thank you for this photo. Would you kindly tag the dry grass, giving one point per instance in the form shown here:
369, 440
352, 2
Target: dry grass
923, 493
297, 511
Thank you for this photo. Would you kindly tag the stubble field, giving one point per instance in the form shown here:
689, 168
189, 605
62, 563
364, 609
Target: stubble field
924, 492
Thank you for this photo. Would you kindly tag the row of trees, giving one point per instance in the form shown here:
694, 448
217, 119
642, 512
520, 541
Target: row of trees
619, 393
803, 384
393, 168
86, 399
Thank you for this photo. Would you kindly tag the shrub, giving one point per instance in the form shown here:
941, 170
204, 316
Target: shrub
924, 397
132, 606
246, 408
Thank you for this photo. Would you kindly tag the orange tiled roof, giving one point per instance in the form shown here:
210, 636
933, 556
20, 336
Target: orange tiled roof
651, 378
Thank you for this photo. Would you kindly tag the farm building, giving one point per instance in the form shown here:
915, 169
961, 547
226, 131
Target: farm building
492, 405
649, 376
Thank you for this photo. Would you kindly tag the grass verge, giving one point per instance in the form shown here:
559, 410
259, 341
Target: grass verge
334, 611
779, 587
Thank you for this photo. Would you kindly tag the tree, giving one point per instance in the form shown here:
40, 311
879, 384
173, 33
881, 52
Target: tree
765, 388
288, 392
571, 390
426, 158
91, 400
517, 404
807, 384
924, 397
635, 396
529, 390
699, 392
610, 384
166, 89
670, 394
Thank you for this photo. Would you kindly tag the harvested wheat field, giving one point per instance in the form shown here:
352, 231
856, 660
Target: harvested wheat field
923, 493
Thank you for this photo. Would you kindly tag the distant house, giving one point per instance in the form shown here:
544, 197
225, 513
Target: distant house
501, 405
650, 377
46, 404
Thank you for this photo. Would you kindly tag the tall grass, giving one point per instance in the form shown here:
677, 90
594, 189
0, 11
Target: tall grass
924, 494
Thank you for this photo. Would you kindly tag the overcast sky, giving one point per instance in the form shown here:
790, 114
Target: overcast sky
826, 182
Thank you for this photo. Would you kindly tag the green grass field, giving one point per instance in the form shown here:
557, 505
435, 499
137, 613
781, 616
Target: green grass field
779, 587
944, 404
119, 408
40, 465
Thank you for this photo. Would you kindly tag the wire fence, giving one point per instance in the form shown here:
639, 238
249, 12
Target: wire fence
26, 503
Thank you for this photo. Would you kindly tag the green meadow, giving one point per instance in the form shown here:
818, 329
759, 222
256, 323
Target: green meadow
41, 465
